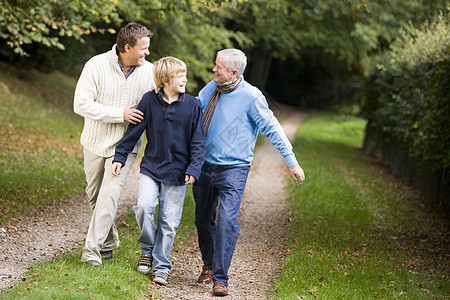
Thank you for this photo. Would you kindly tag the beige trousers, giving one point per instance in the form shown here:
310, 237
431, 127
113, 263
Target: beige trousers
103, 191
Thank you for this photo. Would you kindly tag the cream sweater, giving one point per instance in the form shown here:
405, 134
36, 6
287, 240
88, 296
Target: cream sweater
101, 94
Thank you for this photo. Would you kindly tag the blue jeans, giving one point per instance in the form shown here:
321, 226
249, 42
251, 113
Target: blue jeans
158, 241
217, 239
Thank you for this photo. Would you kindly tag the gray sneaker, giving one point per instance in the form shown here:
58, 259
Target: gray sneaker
161, 278
144, 265
93, 263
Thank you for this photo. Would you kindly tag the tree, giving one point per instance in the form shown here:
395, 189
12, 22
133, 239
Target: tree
281, 29
337, 44
188, 30
45, 21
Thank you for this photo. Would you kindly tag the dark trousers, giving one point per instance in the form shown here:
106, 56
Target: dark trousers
223, 186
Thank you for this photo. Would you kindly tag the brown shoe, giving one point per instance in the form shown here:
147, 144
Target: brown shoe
220, 290
206, 275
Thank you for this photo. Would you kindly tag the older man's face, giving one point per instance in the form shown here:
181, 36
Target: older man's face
221, 74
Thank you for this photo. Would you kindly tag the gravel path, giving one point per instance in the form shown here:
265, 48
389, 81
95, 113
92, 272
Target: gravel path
263, 222
51, 230
259, 251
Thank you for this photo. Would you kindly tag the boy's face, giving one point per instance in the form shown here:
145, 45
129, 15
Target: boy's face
177, 84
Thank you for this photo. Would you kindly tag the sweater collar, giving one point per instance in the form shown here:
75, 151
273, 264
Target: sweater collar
160, 93
114, 56
113, 53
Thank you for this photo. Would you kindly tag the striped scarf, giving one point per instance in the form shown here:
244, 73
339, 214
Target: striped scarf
212, 103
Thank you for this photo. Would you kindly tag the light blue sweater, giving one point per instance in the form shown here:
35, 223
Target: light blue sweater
238, 118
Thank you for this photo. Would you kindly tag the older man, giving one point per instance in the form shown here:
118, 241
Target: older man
234, 112
109, 87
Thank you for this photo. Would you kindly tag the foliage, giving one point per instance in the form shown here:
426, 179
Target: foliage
355, 233
188, 30
329, 44
408, 97
43, 21
271, 25
339, 43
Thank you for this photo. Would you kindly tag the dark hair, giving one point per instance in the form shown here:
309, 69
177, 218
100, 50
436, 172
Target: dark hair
130, 34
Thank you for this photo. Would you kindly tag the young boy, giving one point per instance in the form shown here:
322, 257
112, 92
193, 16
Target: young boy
173, 159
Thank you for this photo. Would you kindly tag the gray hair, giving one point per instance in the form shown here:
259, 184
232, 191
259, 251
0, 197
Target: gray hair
235, 59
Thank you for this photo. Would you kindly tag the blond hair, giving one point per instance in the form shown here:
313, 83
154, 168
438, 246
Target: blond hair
167, 68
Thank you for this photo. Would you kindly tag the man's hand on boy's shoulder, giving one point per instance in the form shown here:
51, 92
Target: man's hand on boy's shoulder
189, 179
132, 115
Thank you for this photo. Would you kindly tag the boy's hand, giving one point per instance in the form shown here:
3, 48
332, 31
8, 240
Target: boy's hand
116, 166
189, 179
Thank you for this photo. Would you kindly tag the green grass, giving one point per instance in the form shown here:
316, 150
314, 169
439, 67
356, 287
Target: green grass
67, 277
349, 223
41, 161
40, 153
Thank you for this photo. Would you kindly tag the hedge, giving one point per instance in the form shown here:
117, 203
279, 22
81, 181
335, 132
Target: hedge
409, 96
408, 110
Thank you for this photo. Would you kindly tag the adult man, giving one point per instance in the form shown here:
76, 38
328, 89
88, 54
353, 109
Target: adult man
109, 87
234, 113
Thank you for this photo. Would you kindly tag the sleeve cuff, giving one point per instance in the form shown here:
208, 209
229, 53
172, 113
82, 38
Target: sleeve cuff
290, 160
193, 172
117, 115
119, 158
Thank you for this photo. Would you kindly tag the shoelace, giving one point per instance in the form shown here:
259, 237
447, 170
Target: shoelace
145, 260
162, 275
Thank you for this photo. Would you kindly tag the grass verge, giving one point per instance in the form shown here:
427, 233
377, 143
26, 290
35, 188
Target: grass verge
355, 233
40, 153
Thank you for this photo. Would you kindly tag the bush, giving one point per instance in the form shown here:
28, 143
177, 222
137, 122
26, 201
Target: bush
408, 98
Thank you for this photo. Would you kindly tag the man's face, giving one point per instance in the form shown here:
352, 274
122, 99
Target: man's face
136, 55
221, 74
